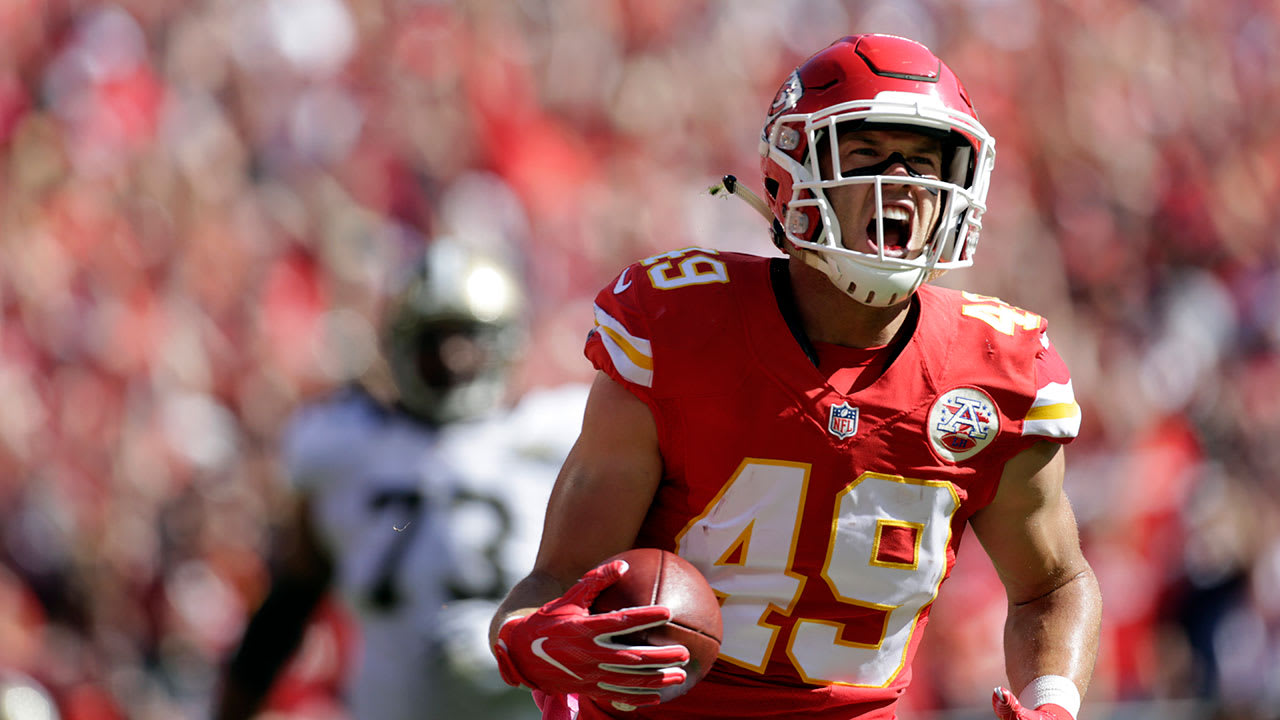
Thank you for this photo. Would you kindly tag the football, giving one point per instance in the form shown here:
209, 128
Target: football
659, 577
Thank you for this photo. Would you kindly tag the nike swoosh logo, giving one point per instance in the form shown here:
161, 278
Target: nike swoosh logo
623, 283
537, 650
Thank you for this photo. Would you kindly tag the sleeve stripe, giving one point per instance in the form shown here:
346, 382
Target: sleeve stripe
1054, 393
1057, 411
1054, 413
642, 361
632, 356
606, 320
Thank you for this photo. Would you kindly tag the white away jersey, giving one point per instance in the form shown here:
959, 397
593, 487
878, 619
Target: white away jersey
428, 530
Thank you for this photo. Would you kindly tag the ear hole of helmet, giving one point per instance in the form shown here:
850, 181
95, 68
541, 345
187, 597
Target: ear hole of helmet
778, 235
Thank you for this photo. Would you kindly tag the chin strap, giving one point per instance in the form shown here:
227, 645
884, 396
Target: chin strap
817, 261
729, 184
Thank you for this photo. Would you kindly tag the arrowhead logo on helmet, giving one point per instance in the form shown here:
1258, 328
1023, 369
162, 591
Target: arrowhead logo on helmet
788, 95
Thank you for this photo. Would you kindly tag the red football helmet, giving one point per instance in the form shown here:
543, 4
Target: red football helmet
869, 82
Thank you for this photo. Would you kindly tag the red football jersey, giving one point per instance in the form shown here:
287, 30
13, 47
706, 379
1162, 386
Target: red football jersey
825, 522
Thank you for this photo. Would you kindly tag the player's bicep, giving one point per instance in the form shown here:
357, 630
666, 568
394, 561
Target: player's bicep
605, 487
1029, 529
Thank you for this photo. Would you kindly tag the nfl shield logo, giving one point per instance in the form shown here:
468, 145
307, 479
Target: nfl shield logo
843, 422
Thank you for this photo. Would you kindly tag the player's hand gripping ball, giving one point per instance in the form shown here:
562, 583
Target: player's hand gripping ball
659, 577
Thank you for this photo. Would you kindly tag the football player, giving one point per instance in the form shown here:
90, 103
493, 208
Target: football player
816, 432
419, 512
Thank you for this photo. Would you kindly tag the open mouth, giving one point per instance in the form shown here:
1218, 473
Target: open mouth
897, 230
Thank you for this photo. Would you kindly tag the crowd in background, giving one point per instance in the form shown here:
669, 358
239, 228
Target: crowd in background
198, 199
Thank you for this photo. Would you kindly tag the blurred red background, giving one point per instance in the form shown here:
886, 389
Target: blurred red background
198, 201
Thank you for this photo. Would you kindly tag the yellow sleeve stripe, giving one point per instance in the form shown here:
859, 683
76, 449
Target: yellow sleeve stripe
632, 356
1058, 411
635, 356
1054, 413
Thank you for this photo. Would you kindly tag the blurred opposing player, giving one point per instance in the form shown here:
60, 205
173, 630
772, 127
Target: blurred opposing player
816, 432
418, 511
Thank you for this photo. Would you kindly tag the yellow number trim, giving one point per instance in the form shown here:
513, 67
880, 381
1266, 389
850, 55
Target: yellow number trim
881, 524
1000, 315
695, 267
755, 520
762, 502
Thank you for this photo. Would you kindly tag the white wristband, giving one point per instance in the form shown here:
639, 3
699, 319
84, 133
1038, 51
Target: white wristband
1054, 689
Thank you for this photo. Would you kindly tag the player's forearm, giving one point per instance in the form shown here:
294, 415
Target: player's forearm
235, 702
1055, 634
272, 635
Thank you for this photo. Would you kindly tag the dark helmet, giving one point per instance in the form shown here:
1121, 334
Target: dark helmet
451, 332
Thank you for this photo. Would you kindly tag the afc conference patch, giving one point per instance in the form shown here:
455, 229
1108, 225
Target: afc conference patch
962, 422
843, 420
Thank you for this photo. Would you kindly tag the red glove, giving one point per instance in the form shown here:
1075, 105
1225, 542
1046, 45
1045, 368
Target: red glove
1007, 707
562, 648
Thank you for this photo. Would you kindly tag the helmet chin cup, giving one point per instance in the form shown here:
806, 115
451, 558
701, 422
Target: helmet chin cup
862, 278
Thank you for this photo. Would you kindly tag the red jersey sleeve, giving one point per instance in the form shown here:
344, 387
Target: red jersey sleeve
1054, 414
1006, 351
620, 344
655, 323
